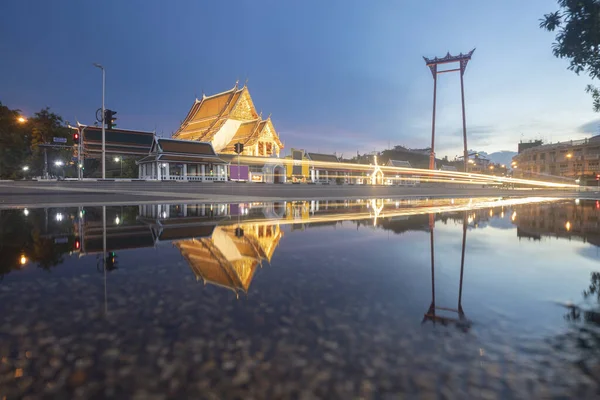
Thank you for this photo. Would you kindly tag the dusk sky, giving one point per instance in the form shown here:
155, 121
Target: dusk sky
336, 75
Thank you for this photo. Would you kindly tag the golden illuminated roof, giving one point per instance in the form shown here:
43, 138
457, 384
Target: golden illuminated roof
227, 260
208, 114
249, 133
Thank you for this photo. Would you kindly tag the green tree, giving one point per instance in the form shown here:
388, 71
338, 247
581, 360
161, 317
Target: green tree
14, 144
45, 126
577, 23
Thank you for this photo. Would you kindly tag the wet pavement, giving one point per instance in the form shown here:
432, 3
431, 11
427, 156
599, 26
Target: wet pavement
337, 299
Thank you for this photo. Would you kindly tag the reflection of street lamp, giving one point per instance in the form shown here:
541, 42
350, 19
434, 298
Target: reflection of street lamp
26, 212
26, 168
117, 220
21, 120
568, 226
58, 163
59, 217
23, 259
513, 216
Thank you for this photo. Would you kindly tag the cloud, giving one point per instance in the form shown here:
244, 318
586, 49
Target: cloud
590, 127
477, 131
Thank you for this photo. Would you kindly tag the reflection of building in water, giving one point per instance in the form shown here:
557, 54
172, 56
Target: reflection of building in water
576, 219
230, 257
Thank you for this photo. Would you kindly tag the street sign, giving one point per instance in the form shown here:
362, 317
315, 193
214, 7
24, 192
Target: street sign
59, 140
238, 147
239, 232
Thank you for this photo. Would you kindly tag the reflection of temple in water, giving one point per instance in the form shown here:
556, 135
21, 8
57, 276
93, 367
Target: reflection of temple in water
230, 257
218, 250
576, 219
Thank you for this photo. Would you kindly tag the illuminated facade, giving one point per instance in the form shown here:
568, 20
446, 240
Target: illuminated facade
575, 159
227, 118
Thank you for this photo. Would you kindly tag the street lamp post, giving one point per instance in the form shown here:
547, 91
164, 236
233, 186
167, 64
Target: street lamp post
120, 160
103, 122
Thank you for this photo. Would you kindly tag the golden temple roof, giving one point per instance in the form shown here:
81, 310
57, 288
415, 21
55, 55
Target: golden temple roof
208, 115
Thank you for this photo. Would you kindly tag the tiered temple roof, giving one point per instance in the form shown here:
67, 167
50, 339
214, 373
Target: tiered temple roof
227, 118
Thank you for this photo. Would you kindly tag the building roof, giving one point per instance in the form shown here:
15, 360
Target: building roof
207, 115
398, 163
117, 141
181, 151
322, 157
185, 147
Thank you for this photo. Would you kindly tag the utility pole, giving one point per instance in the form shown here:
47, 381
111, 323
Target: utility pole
103, 121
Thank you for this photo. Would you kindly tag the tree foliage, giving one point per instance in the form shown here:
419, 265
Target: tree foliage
577, 27
19, 142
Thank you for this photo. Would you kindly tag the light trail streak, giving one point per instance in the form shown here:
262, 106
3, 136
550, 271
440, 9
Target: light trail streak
469, 204
425, 175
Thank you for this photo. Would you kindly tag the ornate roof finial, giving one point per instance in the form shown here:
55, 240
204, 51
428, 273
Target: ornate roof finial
246, 83
237, 81
269, 117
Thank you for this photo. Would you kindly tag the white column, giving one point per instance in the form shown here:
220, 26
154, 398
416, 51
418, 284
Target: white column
167, 174
185, 172
157, 166
139, 171
203, 171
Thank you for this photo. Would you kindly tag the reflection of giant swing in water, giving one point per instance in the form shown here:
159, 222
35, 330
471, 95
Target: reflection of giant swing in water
431, 314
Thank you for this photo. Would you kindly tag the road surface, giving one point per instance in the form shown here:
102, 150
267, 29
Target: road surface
28, 194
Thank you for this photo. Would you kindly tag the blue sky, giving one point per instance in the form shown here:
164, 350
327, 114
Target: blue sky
336, 75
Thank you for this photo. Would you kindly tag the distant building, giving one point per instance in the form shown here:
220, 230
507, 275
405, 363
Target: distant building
398, 163
528, 145
323, 167
573, 159
478, 164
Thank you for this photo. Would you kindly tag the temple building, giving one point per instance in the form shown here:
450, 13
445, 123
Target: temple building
227, 118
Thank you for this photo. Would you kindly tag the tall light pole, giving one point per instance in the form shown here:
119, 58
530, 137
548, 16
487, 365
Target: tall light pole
103, 122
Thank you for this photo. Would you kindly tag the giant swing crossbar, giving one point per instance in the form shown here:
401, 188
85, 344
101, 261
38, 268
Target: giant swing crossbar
433, 63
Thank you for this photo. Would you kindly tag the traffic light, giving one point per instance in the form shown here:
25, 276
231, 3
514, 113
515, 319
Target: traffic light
238, 147
76, 137
76, 245
598, 177
109, 119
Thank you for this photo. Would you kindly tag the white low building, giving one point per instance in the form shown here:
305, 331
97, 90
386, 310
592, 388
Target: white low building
182, 160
